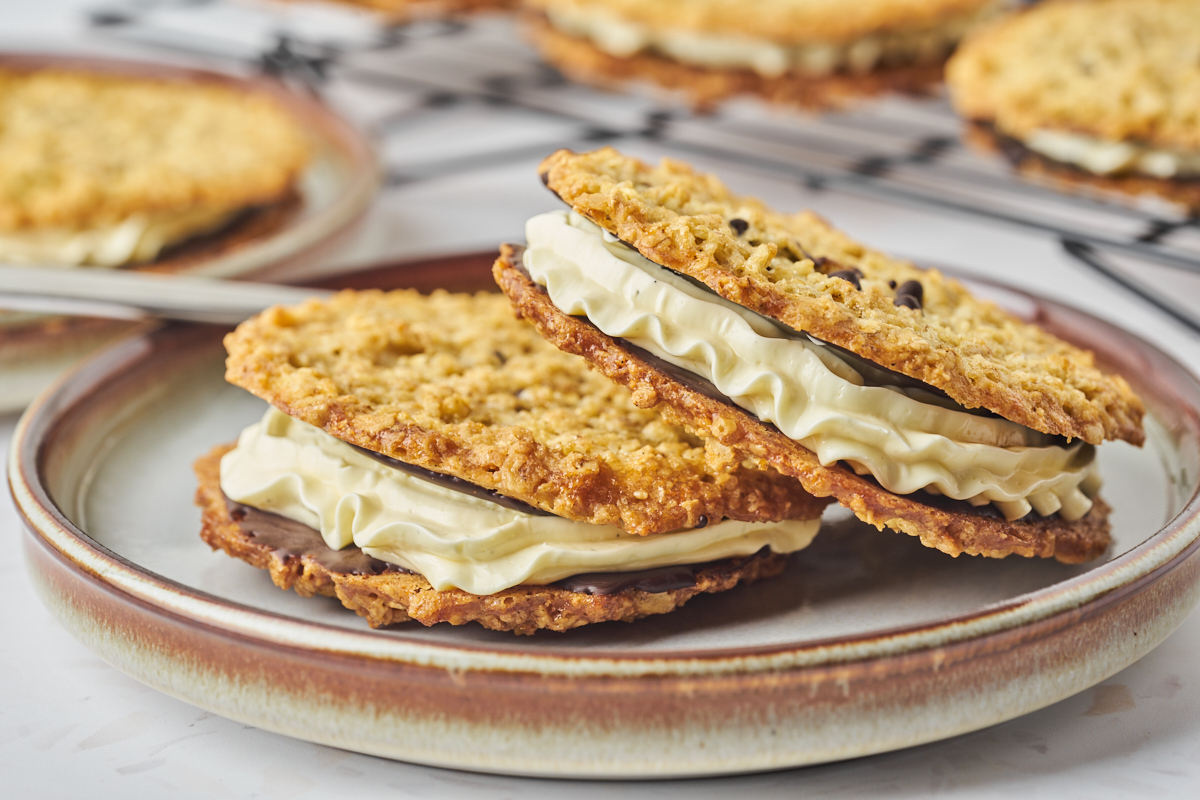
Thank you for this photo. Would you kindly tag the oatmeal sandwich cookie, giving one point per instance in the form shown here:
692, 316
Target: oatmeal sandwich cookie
884, 386
1101, 94
433, 458
812, 53
109, 170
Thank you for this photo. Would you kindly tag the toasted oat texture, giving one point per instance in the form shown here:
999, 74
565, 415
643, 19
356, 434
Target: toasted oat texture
1111, 69
1068, 178
704, 87
784, 21
455, 384
80, 150
951, 526
978, 354
385, 596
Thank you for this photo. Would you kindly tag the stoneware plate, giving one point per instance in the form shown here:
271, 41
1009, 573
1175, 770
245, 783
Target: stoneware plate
334, 191
867, 643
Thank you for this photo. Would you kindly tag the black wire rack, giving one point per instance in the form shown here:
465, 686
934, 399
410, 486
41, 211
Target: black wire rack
900, 150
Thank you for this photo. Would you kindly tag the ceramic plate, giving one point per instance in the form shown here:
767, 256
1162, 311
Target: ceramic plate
334, 191
867, 643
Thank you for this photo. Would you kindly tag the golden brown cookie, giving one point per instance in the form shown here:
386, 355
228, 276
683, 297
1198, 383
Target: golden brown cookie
1106, 88
812, 53
951, 526
297, 558
85, 154
781, 266
454, 384
582, 61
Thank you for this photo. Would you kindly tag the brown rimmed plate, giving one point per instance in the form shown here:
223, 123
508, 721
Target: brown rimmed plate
332, 194
867, 643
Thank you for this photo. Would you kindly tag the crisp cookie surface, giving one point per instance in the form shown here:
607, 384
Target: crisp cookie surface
389, 597
1068, 178
79, 150
582, 61
1111, 69
787, 21
950, 526
456, 384
978, 354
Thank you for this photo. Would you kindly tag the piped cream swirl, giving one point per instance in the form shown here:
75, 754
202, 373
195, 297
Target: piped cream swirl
805, 389
290, 468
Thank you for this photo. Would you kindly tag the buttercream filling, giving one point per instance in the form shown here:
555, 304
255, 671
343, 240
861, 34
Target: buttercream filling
807, 390
454, 540
137, 239
623, 38
1106, 157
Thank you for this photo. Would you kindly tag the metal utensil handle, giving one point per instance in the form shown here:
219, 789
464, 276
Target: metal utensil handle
140, 295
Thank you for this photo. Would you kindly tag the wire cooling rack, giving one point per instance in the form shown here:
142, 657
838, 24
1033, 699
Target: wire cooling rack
421, 75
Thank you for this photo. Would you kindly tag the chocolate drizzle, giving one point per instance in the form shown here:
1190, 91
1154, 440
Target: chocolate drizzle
454, 483
290, 539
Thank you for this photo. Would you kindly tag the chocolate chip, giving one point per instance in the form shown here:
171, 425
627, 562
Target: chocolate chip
852, 275
891, 284
700, 523
913, 288
910, 294
739, 226
545, 176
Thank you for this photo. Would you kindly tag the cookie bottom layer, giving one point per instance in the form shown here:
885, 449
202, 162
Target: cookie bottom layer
1069, 178
582, 61
951, 526
386, 595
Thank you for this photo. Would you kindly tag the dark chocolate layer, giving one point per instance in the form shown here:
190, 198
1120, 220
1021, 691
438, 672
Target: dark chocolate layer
291, 539
454, 483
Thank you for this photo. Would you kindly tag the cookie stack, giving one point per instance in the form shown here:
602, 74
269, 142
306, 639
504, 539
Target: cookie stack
433, 458
886, 387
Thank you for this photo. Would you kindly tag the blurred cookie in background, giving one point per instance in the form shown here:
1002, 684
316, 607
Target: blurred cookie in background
1099, 95
812, 53
121, 164
111, 170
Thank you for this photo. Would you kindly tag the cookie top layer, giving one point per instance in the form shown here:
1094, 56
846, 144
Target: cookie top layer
793, 21
455, 384
1111, 69
785, 267
80, 150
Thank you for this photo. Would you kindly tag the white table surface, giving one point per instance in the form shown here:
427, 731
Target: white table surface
72, 726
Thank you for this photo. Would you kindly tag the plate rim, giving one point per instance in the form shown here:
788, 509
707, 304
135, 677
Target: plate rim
1089, 593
